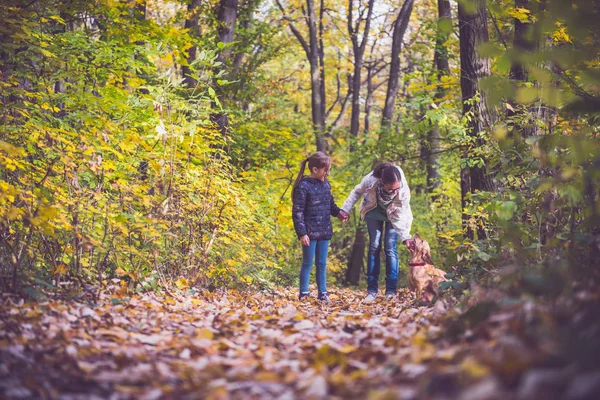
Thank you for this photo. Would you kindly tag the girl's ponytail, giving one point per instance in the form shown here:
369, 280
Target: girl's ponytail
300, 174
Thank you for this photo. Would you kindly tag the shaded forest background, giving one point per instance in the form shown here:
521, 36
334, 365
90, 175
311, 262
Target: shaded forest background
156, 142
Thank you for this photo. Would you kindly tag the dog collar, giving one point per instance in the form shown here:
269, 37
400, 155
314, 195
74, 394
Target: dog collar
416, 264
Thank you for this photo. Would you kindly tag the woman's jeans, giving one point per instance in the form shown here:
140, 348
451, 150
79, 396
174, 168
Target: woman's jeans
377, 232
318, 249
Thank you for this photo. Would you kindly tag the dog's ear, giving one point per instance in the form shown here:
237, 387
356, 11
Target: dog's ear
417, 237
427, 257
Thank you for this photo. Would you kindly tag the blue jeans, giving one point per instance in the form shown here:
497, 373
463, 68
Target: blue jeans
318, 248
376, 233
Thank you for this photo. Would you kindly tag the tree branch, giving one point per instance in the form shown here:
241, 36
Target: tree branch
295, 31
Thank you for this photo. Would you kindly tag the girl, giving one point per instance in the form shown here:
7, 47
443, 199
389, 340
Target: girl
386, 210
312, 206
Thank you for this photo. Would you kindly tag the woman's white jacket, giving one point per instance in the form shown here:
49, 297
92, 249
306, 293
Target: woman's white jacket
398, 212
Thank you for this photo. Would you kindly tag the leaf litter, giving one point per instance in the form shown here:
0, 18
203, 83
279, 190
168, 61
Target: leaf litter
262, 345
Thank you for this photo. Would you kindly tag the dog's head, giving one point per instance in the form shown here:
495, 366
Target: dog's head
421, 249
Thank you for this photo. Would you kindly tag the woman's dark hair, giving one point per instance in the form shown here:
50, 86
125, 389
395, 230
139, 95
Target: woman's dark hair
316, 160
387, 172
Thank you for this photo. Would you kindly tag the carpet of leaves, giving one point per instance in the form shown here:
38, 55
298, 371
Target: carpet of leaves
263, 345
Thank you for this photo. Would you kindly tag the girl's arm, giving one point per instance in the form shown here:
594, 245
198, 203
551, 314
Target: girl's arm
298, 207
358, 191
335, 210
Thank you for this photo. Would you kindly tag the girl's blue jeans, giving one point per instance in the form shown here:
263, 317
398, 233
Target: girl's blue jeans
379, 230
316, 250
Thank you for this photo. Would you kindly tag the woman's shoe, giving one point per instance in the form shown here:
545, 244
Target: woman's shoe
371, 297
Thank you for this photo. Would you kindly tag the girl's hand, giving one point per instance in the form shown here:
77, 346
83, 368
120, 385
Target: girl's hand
305, 240
342, 216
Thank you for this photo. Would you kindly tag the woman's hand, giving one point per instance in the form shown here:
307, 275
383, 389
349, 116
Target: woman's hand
305, 240
342, 216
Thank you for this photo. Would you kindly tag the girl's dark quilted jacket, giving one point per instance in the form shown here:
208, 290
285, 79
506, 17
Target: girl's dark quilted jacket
313, 205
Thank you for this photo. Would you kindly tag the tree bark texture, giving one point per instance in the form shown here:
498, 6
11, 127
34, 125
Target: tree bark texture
356, 262
192, 23
442, 67
358, 48
473, 30
226, 16
400, 26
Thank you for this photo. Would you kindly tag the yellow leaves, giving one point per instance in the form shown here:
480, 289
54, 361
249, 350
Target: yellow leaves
522, 14
560, 35
473, 368
204, 333
170, 301
348, 348
10, 149
182, 283
197, 302
60, 269
7, 192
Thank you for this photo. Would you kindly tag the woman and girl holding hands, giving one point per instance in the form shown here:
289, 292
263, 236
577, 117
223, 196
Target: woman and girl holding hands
385, 208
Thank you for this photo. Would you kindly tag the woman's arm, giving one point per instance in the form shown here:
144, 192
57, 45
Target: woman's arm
402, 218
358, 191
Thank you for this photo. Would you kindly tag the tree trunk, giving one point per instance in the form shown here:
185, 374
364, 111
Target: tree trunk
357, 256
440, 61
473, 28
356, 262
521, 44
139, 13
359, 51
321, 48
226, 16
245, 22
192, 23
316, 88
369, 99
392, 90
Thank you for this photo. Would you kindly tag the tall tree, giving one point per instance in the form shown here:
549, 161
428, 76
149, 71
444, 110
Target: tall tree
473, 31
192, 24
400, 26
314, 53
359, 43
314, 48
442, 68
356, 260
226, 18
527, 40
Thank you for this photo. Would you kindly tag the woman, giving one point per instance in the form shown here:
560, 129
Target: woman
386, 210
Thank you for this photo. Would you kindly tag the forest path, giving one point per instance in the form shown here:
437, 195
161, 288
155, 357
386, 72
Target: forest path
263, 345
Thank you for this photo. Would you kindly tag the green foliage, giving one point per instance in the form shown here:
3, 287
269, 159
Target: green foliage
112, 167
109, 166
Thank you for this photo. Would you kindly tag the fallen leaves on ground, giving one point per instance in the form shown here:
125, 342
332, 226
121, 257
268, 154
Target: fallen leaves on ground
270, 345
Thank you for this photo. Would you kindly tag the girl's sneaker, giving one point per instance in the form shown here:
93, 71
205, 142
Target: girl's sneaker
324, 297
303, 295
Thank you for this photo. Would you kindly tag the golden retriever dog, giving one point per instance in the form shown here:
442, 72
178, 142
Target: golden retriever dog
423, 278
